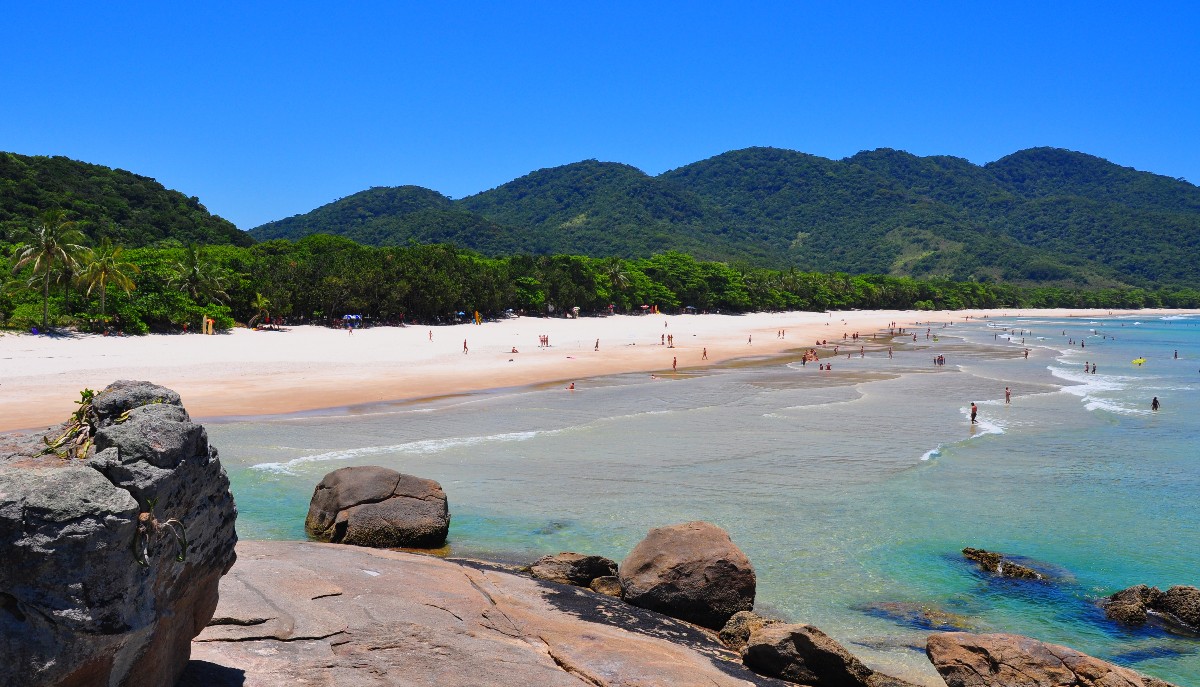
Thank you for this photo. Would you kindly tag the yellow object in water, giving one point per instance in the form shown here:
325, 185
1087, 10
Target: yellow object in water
1138, 361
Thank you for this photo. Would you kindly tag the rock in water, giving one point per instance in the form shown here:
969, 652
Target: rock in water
692, 572
92, 591
1178, 607
375, 506
805, 655
998, 564
1003, 660
573, 568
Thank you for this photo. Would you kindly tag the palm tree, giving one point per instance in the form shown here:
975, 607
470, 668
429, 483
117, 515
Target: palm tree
199, 278
106, 265
260, 304
55, 242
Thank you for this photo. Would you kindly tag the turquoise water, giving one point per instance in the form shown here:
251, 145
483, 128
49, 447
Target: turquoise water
845, 489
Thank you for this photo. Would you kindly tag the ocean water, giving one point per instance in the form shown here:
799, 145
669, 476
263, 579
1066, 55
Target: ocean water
852, 491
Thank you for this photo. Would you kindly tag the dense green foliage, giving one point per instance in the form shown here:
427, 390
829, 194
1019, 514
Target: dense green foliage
321, 277
129, 209
1039, 216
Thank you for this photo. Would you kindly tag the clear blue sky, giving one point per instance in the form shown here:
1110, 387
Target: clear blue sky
266, 110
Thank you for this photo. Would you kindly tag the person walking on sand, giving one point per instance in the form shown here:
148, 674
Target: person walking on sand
1007, 396
1154, 404
704, 353
974, 412
464, 346
431, 335
674, 364
597, 345
750, 339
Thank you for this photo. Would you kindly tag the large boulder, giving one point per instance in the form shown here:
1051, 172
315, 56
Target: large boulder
805, 655
1003, 660
572, 568
374, 506
1178, 608
116, 528
690, 571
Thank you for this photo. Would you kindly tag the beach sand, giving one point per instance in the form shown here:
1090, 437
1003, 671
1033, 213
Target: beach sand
245, 372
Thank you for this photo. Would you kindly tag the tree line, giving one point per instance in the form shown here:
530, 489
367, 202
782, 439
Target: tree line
57, 280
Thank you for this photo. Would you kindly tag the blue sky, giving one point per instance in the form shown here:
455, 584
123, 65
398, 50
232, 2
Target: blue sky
266, 110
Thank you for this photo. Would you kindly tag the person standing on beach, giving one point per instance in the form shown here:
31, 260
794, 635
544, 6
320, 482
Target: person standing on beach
704, 353
597, 345
431, 335
1007, 396
674, 364
750, 339
974, 412
464, 346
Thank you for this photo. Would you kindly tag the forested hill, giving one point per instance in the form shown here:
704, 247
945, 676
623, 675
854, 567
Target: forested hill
129, 209
1042, 215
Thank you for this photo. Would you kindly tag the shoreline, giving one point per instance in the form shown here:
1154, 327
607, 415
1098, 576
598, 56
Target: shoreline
246, 373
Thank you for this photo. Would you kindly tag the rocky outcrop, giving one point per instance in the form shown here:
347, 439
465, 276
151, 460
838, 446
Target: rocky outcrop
1178, 607
112, 559
1002, 660
306, 613
572, 568
737, 631
1000, 565
375, 506
805, 655
691, 571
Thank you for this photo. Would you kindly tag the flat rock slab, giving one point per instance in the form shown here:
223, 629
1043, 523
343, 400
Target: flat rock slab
298, 613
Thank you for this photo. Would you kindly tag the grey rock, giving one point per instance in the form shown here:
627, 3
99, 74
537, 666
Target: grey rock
1003, 660
691, 571
377, 507
572, 568
85, 598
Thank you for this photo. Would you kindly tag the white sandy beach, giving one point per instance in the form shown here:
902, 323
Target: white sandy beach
246, 372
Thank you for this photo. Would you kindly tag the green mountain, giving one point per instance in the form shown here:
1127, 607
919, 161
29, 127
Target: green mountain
392, 216
128, 208
1042, 215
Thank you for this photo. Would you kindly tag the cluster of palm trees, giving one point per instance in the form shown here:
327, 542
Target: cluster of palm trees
55, 250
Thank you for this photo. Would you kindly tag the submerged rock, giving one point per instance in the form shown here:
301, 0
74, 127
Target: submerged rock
111, 562
999, 564
573, 568
1178, 607
918, 615
691, 571
375, 506
1004, 660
